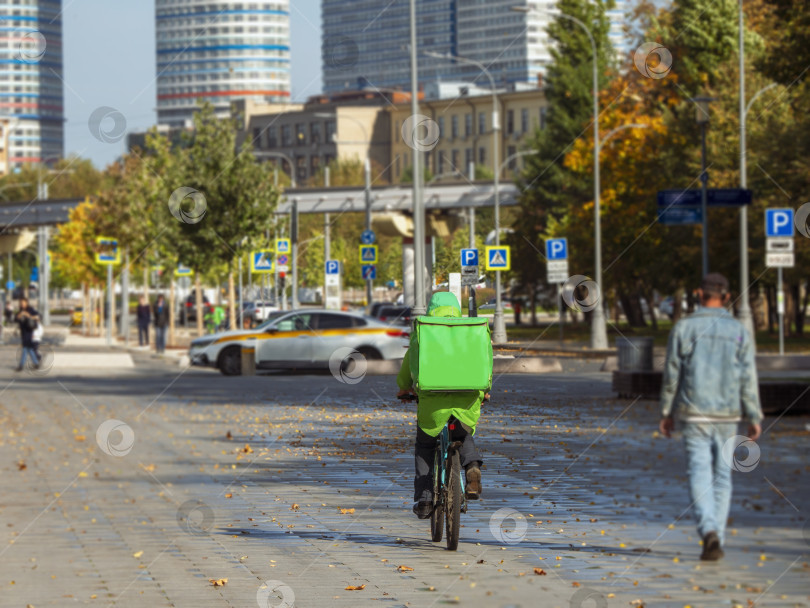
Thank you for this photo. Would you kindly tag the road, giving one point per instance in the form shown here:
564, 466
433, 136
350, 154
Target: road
295, 487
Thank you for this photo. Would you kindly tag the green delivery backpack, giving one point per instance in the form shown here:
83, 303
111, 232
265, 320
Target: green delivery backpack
451, 354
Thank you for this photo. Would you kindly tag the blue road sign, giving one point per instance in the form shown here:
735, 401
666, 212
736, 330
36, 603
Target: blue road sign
283, 246
715, 197
679, 216
283, 260
469, 257
557, 249
262, 261
498, 258
368, 254
368, 237
369, 272
10, 285
35, 274
778, 222
332, 267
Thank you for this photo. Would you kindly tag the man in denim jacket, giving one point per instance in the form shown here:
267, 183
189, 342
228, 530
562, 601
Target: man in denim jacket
710, 384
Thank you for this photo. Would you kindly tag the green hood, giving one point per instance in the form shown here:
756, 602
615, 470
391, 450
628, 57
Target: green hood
444, 304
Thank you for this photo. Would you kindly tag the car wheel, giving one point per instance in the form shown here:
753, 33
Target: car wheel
230, 361
370, 353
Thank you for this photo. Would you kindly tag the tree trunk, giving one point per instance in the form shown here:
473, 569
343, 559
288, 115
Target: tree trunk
632, 310
677, 304
146, 281
533, 304
648, 294
113, 308
199, 303
760, 309
172, 307
85, 308
231, 301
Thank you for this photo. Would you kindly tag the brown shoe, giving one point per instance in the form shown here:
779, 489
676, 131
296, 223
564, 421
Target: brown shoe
472, 488
712, 551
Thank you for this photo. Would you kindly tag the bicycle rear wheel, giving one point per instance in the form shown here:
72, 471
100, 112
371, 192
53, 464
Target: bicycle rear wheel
453, 502
437, 515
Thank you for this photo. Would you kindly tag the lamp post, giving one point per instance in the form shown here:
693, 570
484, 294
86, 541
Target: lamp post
293, 230
420, 305
702, 119
499, 329
598, 325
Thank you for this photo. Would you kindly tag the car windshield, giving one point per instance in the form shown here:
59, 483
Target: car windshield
271, 318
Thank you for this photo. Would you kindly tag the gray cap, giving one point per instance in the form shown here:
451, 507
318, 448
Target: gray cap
714, 282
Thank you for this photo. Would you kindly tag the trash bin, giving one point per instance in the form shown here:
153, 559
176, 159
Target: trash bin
635, 354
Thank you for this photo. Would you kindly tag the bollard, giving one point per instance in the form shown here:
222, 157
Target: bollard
248, 361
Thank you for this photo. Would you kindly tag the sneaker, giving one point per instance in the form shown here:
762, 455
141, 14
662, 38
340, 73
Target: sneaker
423, 509
712, 551
472, 488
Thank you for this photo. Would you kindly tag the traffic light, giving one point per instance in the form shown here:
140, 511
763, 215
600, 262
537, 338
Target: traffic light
282, 277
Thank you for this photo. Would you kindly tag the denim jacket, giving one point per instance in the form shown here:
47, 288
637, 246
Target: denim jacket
710, 373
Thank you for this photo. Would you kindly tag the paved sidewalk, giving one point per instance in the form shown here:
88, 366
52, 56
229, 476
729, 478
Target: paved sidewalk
306, 483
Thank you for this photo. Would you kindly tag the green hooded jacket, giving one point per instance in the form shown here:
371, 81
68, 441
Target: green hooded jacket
436, 408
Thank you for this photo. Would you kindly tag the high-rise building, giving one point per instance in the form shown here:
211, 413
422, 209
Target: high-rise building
31, 89
220, 51
365, 42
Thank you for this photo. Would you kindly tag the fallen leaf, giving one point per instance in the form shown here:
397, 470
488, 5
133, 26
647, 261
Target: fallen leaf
294, 507
21, 466
540, 571
347, 511
575, 584
404, 569
138, 554
79, 437
149, 467
229, 496
228, 435
218, 582
247, 449
355, 587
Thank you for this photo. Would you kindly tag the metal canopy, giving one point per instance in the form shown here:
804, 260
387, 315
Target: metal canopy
25, 214
395, 198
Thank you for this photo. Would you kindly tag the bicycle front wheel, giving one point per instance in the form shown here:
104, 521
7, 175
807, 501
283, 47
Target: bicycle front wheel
437, 515
453, 502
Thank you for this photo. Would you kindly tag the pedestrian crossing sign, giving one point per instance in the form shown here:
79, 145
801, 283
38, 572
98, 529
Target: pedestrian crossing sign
368, 254
261, 261
107, 251
183, 271
283, 246
498, 258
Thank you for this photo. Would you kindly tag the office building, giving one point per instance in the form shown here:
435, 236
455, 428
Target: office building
365, 42
220, 52
31, 90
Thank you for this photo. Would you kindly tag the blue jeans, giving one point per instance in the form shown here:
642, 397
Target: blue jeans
160, 339
28, 351
709, 475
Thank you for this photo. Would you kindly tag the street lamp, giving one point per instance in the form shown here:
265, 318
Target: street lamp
499, 329
367, 181
598, 326
702, 119
294, 237
420, 305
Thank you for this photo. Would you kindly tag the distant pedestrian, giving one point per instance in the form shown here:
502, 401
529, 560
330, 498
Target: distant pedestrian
161, 323
710, 384
28, 320
144, 316
516, 307
8, 312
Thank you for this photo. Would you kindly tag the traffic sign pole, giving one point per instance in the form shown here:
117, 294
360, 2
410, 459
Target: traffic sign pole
780, 311
110, 303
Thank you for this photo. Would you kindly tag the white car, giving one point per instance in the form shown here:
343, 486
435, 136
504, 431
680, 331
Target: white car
301, 339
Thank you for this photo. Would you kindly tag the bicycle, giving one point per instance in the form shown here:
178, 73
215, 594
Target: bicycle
449, 500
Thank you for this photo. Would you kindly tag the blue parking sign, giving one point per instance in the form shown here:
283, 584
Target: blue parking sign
778, 223
557, 249
332, 267
469, 257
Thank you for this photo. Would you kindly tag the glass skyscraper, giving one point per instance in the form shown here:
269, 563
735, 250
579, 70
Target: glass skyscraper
31, 90
365, 42
220, 52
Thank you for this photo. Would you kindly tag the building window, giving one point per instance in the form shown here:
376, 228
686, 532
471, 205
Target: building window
315, 132
397, 166
300, 134
441, 126
468, 124
510, 122
301, 168
482, 156
482, 123
524, 120
440, 168
257, 137
454, 126
396, 131
543, 117
314, 165
511, 151
286, 135
331, 130
454, 160
272, 135
468, 158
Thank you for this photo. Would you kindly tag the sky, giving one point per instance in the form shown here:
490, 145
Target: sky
109, 61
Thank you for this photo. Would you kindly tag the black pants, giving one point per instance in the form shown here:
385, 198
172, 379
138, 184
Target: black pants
424, 452
143, 334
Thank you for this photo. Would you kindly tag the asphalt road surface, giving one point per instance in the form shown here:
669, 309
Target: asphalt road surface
170, 487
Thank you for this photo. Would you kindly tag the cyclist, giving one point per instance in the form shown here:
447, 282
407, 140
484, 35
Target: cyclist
433, 412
